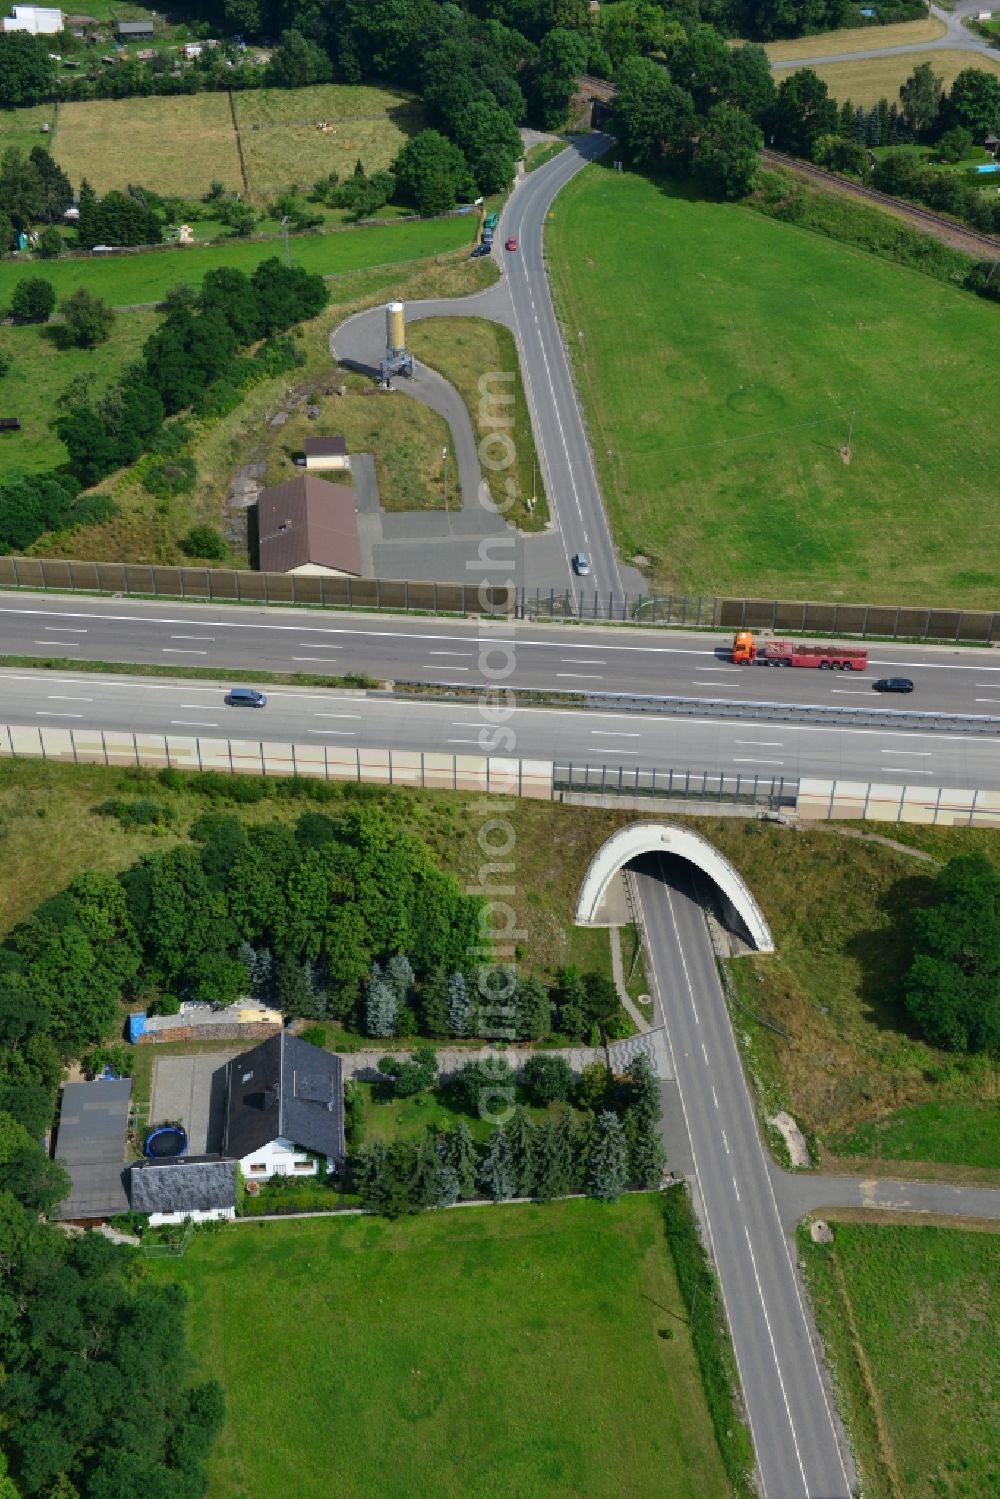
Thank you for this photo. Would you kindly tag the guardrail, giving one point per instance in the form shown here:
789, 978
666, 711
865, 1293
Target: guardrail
725, 708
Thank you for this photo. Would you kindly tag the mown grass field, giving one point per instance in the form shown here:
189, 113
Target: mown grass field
22, 128
368, 125
962, 1131
909, 1316
468, 351
125, 280
475, 1354
41, 372
719, 405
867, 80
170, 145
856, 39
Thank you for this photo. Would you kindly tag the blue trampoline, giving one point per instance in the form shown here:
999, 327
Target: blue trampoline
169, 1140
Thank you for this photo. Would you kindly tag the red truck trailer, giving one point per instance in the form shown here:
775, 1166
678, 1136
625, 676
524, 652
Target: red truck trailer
747, 651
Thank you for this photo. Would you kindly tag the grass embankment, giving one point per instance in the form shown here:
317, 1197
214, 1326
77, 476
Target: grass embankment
718, 415
909, 1316
182, 145
124, 280
540, 154
475, 1353
41, 371
855, 39
867, 80
480, 360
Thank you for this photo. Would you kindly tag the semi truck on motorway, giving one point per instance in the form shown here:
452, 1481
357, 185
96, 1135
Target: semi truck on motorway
748, 652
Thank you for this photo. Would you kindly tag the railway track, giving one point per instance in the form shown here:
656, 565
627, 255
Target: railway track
900, 205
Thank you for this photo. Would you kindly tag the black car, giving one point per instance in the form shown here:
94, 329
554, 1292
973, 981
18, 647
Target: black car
892, 684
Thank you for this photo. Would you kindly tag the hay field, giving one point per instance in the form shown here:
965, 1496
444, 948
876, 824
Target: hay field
860, 39
870, 79
23, 127
282, 143
174, 146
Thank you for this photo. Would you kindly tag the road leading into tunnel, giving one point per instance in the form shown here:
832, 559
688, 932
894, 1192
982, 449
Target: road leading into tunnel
789, 1409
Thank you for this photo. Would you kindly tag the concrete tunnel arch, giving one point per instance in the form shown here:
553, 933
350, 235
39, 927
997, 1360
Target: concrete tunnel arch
668, 838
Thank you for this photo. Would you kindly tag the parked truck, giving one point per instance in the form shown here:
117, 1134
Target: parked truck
749, 652
491, 221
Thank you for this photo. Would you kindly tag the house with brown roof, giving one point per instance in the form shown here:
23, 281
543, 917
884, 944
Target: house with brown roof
308, 525
325, 453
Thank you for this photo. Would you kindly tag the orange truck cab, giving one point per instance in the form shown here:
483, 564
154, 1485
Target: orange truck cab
744, 647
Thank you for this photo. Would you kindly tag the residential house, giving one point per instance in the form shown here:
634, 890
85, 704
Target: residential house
308, 525
90, 1143
284, 1108
195, 1187
326, 453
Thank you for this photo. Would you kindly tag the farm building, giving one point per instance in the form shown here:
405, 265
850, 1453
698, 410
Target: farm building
308, 526
37, 19
90, 1143
198, 1188
284, 1108
134, 31
326, 453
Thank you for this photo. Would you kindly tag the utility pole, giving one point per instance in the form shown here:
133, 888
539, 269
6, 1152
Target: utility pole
288, 253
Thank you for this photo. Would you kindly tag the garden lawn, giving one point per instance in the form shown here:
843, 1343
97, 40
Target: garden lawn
721, 359
480, 360
39, 374
479, 1353
388, 1118
909, 1316
958, 1130
125, 280
174, 146
867, 80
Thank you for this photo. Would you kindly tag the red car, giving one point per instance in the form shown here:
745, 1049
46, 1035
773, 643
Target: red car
511, 244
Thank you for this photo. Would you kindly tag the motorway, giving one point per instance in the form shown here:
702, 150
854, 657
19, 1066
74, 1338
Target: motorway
474, 654
791, 1420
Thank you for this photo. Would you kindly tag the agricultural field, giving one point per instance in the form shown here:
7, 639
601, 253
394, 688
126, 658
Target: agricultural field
909, 1317
129, 279
174, 146
867, 80
856, 39
22, 128
465, 351
41, 371
718, 422
282, 143
409, 1372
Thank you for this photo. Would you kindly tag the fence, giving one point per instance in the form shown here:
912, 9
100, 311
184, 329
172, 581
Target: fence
883, 621
810, 799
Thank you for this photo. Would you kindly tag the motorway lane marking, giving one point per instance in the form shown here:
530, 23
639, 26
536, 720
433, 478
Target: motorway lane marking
736, 669
616, 733
318, 660
209, 638
338, 715
748, 760
924, 753
176, 650
761, 743
908, 770
704, 1053
739, 1199
726, 1143
73, 645
52, 713
191, 723
349, 732
581, 676
588, 661
465, 741
450, 653
430, 666
850, 692
73, 630
715, 1096
760, 1291
65, 697
987, 699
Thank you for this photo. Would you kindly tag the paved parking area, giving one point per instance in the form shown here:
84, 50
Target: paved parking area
192, 1089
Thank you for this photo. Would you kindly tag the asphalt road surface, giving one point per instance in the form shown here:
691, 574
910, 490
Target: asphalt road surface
791, 1418
570, 480
593, 737
575, 658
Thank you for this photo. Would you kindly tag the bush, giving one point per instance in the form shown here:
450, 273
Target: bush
314, 1035
33, 301
50, 243
141, 813
547, 1079
205, 541
171, 476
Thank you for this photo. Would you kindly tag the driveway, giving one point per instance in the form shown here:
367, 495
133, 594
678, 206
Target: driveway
192, 1090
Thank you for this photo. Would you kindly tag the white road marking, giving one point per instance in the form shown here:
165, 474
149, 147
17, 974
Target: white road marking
715, 1096
704, 1053
318, 660
987, 699
761, 743
176, 650
616, 733
851, 692
338, 715
430, 666
312, 645
748, 760
74, 630
52, 713
907, 770
725, 1142
450, 653
465, 741
191, 723
193, 637
760, 1292
65, 697
581, 676
584, 661
348, 732
70, 644
739, 1199
907, 753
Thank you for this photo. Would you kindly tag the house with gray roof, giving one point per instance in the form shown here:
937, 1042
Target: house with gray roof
90, 1143
195, 1187
284, 1109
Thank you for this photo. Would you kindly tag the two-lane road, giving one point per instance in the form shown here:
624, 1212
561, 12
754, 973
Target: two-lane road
791, 1418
